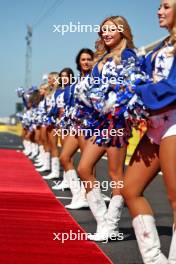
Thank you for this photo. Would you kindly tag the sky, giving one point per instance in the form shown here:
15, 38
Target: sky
52, 51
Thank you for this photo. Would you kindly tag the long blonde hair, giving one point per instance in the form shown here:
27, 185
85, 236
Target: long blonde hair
126, 41
173, 31
45, 86
52, 89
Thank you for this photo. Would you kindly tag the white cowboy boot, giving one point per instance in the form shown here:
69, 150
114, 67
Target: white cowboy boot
55, 169
148, 240
172, 251
46, 165
41, 162
39, 157
99, 211
78, 199
34, 153
62, 185
27, 146
114, 214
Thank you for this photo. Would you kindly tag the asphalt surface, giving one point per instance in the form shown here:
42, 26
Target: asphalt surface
125, 251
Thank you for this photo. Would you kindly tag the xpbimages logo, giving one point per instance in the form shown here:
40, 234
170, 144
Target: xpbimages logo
84, 28
80, 236
86, 132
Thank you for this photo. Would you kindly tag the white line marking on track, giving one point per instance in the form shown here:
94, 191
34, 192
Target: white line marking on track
64, 198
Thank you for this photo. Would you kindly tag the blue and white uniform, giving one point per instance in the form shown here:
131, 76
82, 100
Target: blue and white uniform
28, 117
160, 64
33, 118
68, 120
49, 105
57, 103
41, 111
108, 103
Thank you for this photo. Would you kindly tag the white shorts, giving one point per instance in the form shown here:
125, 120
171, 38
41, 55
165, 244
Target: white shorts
162, 126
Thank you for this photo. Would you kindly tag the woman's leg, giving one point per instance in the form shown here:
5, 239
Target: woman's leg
31, 144
34, 144
82, 142
54, 151
41, 147
40, 137
26, 142
71, 145
143, 167
45, 165
23, 133
39, 159
69, 149
63, 140
116, 160
37, 135
62, 185
66, 158
44, 138
29, 135
90, 156
82, 145
53, 141
168, 166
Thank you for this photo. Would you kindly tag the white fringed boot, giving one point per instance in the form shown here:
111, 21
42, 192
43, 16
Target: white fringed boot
34, 148
40, 157
99, 211
55, 169
78, 199
114, 214
61, 185
46, 165
148, 240
27, 147
41, 162
172, 251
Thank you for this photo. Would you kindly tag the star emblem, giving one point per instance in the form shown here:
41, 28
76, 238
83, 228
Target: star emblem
165, 118
146, 234
161, 58
160, 69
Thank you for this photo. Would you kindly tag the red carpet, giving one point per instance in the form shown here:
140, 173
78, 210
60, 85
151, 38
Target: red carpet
30, 214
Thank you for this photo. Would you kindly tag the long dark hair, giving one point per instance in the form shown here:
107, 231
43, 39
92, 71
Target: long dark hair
85, 50
69, 72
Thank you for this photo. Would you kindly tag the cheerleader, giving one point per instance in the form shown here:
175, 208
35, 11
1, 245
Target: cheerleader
26, 143
64, 78
41, 111
114, 55
47, 130
157, 148
30, 102
35, 100
73, 143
